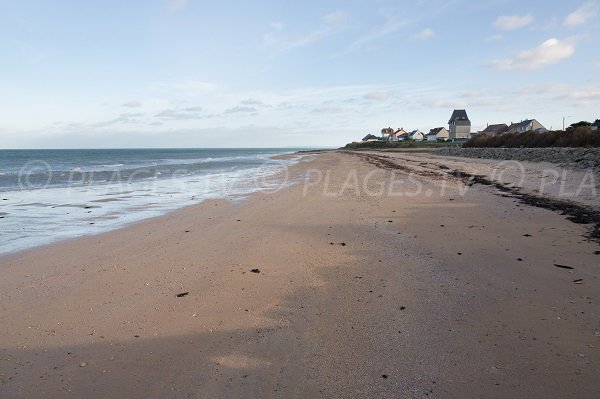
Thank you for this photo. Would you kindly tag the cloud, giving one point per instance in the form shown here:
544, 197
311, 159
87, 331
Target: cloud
196, 86
437, 103
338, 17
241, 110
471, 94
582, 14
378, 95
176, 5
251, 101
189, 113
549, 52
332, 24
494, 38
131, 117
513, 22
132, 104
549, 24
187, 86
549, 88
193, 109
255, 103
228, 107
328, 110
588, 96
278, 26
423, 35
585, 96
491, 99
389, 27
28, 52
280, 43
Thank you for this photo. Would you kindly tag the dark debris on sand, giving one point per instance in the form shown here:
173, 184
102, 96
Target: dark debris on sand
564, 266
580, 214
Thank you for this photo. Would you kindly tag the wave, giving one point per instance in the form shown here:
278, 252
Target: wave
72, 168
43, 216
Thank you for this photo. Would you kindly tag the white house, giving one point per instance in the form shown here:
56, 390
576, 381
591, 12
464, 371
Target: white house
438, 134
400, 135
596, 125
416, 135
528, 125
387, 133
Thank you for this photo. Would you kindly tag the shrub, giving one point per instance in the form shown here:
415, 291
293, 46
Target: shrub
581, 136
400, 144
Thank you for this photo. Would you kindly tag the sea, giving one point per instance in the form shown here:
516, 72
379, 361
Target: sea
52, 195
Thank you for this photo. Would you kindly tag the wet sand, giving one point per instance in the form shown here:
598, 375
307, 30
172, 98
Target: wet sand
360, 281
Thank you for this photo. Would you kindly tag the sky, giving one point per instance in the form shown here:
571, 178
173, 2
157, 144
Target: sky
199, 73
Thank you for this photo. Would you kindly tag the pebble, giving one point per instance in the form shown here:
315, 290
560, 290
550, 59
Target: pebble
82, 364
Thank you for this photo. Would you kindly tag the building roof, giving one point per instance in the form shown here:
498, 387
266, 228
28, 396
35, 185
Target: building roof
434, 131
459, 115
523, 124
496, 129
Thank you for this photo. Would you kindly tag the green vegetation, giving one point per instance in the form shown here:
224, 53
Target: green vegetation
574, 126
574, 136
400, 144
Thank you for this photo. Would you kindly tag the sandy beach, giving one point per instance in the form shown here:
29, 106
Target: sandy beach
375, 275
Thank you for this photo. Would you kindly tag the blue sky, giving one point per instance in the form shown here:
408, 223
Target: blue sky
191, 73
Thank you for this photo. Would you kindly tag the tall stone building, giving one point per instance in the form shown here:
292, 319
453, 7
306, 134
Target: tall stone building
460, 125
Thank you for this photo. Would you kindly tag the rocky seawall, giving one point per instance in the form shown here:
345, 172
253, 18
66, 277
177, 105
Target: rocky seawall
582, 158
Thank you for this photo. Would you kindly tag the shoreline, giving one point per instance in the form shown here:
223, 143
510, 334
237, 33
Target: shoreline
452, 294
111, 219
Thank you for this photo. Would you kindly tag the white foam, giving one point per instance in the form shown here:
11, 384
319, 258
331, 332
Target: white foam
39, 217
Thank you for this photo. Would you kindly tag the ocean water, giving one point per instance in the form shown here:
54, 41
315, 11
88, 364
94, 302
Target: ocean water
50, 195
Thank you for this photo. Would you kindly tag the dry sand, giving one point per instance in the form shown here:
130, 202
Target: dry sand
429, 288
